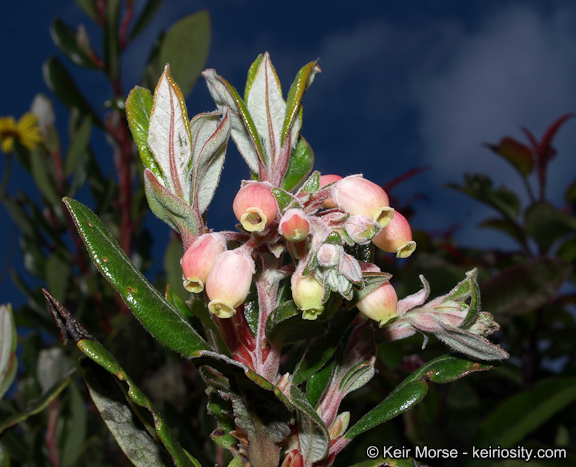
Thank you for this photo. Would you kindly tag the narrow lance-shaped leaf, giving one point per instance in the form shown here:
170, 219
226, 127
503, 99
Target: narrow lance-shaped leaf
412, 390
147, 14
313, 436
243, 129
160, 319
267, 107
518, 154
302, 82
169, 135
300, 164
209, 141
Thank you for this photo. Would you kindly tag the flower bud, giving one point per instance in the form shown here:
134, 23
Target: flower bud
307, 293
199, 259
356, 195
396, 237
326, 180
329, 255
294, 226
380, 304
255, 206
229, 281
361, 229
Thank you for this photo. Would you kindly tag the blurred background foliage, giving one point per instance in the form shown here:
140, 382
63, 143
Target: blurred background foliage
46, 416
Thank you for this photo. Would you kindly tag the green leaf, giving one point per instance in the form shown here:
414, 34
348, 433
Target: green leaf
481, 188
546, 224
89, 7
523, 413
185, 47
42, 172
147, 14
412, 390
313, 437
8, 341
38, 406
111, 40
243, 129
302, 82
172, 267
518, 154
321, 349
222, 411
300, 165
317, 383
252, 75
75, 428
65, 39
57, 275
524, 287
160, 319
77, 150
285, 325
62, 84
138, 109
469, 343
120, 404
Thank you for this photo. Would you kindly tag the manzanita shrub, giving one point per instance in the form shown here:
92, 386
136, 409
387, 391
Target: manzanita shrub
284, 314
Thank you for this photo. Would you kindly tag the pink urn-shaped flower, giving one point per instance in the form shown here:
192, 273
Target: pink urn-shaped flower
356, 195
396, 237
199, 259
294, 226
255, 206
229, 281
380, 304
326, 180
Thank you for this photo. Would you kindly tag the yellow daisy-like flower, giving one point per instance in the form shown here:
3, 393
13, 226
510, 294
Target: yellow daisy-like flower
26, 131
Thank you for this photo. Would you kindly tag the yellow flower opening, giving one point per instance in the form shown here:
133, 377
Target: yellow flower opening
26, 131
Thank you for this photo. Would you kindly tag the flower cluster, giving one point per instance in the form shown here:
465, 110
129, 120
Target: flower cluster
317, 225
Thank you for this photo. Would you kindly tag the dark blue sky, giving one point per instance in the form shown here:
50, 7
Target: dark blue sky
403, 84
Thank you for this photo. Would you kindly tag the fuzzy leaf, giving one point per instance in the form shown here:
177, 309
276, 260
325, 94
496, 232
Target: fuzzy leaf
209, 141
152, 310
176, 212
138, 109
266, 105
185, 48
8, 341
470, 344
412, 390
313, 436
131, 418
169, 136
243, 130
